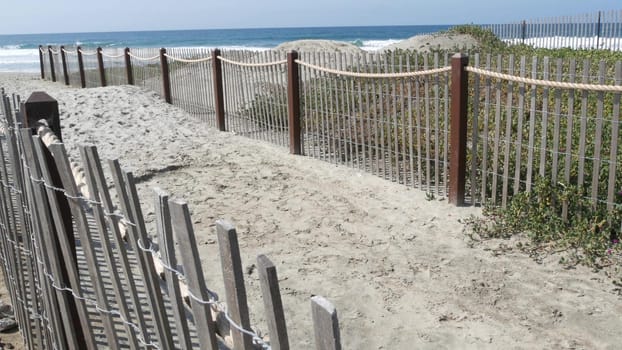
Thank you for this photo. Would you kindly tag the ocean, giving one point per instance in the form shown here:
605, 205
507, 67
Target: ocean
19, 53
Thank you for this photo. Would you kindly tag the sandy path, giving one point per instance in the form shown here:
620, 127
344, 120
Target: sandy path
397, 267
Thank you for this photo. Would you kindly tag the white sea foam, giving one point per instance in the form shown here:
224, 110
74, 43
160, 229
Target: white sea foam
19, 60
375, 45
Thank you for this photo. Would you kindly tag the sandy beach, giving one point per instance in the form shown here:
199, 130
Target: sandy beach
399, 268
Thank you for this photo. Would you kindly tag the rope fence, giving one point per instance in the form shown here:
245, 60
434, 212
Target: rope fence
184, 60
374, 75
252, 65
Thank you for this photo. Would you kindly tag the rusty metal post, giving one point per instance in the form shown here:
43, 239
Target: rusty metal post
52, 63
100, 64
41, 62
293, 103
458, 149
219, 96
128, 67
81, 67
166, 77
64, 60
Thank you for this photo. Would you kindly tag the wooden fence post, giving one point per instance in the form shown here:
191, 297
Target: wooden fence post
166, 77
219, 96
293, 103
81, 68
458, 149
41, 62
52, 63
273, 304
325, 324
100, 64
64, 60
128, 67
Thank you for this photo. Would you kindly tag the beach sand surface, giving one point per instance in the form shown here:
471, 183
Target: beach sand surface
397, 267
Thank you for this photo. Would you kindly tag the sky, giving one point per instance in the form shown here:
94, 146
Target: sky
67, 16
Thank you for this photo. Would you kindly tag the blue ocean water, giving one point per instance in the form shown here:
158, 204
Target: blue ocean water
19, 53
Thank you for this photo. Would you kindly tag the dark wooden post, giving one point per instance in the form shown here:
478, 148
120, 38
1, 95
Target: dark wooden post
458, 149
64, 60
41, 62
219, 96
166, 77
52, 63
523, 31
128, 67
100, 64
42, 106
598, 30
293, 103
81, 68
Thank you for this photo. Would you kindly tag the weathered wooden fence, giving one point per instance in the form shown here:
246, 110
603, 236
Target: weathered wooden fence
82, 270
399, 117
597, 30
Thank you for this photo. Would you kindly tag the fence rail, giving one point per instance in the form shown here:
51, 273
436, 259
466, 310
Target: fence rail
77, 282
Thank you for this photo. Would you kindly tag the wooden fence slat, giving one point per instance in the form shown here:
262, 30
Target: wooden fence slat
495, 157
475, 161
545, 118
182, 226
77, 209
325, 324
437, 116
615, 128
508, 134
167, 247
233, 275
486, 141
519, 129
428, 135
557, 120
273, 304
583, 130
126, 190
63, 240
572, 71
100, 220
598, 137
48, 259
532, 124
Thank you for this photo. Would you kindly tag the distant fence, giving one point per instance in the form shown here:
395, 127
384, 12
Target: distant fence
483, 137
82, 271
598, 30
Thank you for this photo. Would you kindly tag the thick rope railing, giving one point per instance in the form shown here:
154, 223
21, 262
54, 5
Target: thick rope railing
143, 58
54, 52
69, 52
186, 60
374, 75
113, 56
245, 64
86, 53
547, 83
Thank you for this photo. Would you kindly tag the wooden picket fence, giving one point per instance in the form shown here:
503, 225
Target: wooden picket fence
82, 270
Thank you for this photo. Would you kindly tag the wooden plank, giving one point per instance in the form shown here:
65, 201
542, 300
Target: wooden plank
167, 248
77, 210
545, 119
418, 125
342, 151
484, 167
355, 111
182, 226
233, 275
446, 128
130, 205
519, 129
497, 145
556, 125
383, 92
410, 125
572, 70
394, 157
598, 137
428, 137
273, 304
325, 324
84, 332
100, 222
508, 134
437, 116
615, 129
583, 130
532, 124
114, 226
475, 131
374, 115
